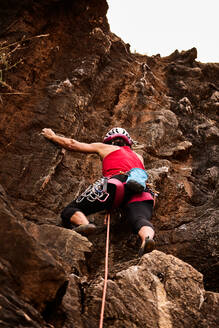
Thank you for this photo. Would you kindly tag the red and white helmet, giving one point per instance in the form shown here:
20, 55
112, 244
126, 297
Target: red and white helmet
118, 133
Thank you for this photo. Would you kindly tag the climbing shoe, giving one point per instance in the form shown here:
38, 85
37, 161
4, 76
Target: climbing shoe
147, 246
86, 229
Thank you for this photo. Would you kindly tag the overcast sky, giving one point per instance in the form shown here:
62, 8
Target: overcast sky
162, 26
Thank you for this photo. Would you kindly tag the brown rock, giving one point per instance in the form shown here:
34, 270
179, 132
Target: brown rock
70, 73
67, 246
32, 273
159, 291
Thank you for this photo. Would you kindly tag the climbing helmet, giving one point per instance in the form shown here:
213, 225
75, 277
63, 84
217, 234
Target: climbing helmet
118, 133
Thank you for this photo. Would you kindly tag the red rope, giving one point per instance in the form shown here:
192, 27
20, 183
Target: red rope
106, 271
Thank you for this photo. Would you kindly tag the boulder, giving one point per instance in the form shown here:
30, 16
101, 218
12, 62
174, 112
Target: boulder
158, 291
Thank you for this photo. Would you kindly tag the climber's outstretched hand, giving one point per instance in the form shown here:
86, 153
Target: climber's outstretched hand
48, 133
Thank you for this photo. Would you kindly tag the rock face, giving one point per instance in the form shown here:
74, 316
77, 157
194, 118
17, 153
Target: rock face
29, 274
151, 293
61, 67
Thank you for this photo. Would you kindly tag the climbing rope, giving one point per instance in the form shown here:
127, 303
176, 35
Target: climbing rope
107, 218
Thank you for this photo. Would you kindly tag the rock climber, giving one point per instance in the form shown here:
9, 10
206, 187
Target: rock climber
117, 159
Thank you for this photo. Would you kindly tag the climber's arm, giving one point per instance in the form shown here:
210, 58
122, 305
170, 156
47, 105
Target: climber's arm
71, 144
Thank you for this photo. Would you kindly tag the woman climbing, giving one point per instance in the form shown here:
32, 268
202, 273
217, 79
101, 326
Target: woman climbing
119, 186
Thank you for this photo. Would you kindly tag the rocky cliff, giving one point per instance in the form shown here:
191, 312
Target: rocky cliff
61, 67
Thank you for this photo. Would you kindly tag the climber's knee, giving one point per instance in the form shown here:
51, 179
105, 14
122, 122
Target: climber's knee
66, 215
142, 222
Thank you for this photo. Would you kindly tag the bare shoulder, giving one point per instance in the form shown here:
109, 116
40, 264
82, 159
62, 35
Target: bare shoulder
104, 149
140, 157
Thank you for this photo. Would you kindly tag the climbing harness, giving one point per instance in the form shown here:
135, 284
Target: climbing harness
96, 191
106, 271
120, 192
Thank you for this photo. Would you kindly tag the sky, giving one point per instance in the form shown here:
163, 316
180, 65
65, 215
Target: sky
161, 26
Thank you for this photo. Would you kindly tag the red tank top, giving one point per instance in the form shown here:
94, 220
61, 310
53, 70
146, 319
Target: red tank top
121, 160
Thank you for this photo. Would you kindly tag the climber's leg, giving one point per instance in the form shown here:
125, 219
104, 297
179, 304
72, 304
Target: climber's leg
145, 232
139, 215
74, 214
79, 218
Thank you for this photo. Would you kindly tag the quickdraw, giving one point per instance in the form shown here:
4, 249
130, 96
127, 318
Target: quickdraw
150, 188
96, 191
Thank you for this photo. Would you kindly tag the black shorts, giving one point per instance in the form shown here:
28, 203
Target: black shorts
139, 214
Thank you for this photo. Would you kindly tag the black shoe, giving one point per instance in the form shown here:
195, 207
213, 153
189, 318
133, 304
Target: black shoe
147, 247
86, 229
